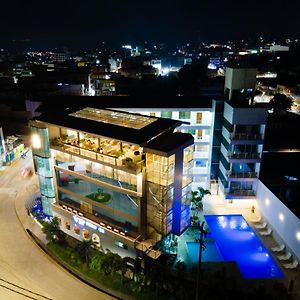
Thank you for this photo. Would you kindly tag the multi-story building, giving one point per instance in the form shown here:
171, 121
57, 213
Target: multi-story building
120, 179
242, 138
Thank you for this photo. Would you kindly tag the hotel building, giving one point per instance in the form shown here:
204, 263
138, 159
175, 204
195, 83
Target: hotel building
118, 178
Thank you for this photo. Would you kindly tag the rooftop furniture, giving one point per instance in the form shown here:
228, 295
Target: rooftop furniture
278, 248
256, 220
266, 232
292, 265
261, 226
284, 257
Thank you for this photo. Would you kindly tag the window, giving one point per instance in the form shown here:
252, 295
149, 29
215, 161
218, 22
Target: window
184, 115
191, 131
85, 234
199, 117
166, 114
67, 225
76, 230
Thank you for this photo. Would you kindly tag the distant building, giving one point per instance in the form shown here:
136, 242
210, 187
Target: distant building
279, 48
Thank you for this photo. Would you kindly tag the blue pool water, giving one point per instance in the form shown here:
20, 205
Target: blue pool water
237, 241
211, 252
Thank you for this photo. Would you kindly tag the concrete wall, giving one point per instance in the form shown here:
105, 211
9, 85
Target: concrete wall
238, 79
285, 224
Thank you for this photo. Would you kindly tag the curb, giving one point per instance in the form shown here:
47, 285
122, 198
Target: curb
41, 246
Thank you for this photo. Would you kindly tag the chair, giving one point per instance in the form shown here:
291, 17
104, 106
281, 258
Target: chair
261, 226
285, 256
256, 220
292, 265
278, 248
266, 232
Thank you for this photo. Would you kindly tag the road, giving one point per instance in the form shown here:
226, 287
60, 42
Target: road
25, 271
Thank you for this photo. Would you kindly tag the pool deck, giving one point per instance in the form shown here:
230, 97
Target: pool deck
215, 205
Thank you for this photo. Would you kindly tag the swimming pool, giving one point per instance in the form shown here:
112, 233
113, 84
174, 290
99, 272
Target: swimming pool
237, 242
210, 253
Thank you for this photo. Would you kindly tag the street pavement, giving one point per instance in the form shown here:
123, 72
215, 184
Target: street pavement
26, 272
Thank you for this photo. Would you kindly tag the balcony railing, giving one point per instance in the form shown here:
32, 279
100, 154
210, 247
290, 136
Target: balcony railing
242, 174
244, 155
127, 163
242, 193
245, 136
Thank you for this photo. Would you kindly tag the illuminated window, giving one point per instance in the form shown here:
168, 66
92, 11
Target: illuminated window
184, 115
67, 225
76, 230
166, 114
85, 233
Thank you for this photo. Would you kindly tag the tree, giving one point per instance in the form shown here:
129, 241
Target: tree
53, 232
281, 103
84, 250
96, 261
196, 202
111, 263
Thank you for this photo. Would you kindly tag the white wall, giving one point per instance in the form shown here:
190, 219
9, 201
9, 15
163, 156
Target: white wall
280, 218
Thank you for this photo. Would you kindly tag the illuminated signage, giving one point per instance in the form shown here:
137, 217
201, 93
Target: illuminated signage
82, 222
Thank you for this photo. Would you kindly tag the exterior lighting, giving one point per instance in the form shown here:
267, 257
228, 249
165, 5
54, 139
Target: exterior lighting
267, 202
298, 235
281, 217
36, 141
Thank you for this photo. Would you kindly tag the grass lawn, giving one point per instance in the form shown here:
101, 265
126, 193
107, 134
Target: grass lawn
100, 197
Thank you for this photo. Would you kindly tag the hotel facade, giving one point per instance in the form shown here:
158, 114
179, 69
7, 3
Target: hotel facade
120, 179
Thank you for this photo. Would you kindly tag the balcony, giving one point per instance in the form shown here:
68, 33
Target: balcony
241, 175
246, 138
240, 193
245, 156
129, 159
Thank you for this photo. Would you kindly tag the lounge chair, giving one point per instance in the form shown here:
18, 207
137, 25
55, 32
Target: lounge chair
266, 232
278, 248
292, 265
256, 220
285, 256
261, 226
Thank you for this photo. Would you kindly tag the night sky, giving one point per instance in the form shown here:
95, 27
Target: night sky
78, 23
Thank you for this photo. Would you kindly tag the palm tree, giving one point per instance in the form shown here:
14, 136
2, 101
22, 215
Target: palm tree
84, 250
53, 232
196, 202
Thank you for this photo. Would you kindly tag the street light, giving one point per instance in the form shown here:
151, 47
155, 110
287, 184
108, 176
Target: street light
201, 248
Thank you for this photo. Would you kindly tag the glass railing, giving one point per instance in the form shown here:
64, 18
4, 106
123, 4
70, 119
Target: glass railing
245, 136
125, 162
242, 175
244, 155
243, 193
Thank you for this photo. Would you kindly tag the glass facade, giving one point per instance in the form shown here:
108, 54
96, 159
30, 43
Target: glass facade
160, 179
112, 204
42, 162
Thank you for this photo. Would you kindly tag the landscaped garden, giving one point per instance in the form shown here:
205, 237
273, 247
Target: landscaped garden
145, 278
